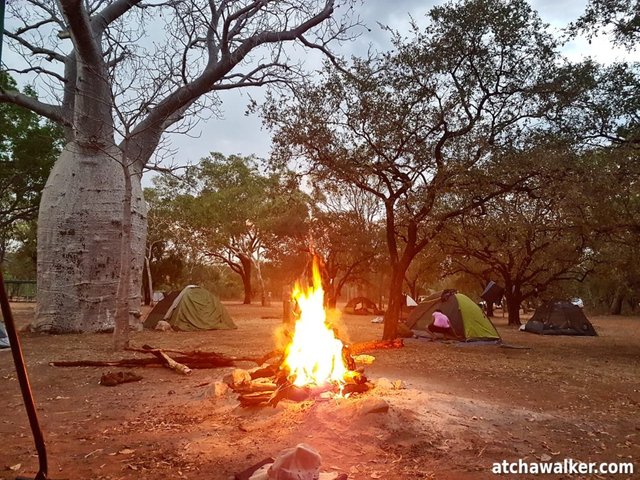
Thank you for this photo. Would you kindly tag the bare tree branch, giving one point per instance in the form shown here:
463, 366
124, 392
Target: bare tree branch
52, 112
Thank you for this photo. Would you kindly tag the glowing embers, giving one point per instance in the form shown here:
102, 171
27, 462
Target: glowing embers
314, 363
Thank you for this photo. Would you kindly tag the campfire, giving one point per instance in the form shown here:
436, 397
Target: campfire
315, 362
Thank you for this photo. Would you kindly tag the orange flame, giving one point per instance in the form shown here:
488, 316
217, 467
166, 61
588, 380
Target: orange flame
314, 355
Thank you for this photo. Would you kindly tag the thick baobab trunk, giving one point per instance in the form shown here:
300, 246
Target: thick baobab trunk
79, 242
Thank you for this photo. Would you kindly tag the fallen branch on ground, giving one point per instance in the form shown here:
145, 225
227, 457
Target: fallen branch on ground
212, 361
198, 354
167, 361
182, 362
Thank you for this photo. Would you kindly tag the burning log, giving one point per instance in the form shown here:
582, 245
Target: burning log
253, 399
355, 388
289, 392
264, 372
255, 387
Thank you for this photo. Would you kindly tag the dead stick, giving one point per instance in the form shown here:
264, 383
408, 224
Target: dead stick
144, 362
196, 354
128, 363
171, 363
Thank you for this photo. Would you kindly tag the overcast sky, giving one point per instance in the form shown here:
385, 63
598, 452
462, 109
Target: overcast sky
241, 134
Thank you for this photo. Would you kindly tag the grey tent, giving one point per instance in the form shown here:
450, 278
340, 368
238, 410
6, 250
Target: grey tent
559, 317
195, 308
361, 306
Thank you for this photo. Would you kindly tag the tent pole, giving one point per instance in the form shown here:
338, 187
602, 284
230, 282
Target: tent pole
25, 387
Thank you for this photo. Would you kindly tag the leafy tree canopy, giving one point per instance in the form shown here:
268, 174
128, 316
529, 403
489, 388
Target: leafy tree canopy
622, 16
28, 149
229, 211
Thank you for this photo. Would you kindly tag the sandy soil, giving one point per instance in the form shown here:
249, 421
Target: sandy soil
463, 408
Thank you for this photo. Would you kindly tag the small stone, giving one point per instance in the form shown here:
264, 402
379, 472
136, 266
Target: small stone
163, 326
384, 384
373, 405
364, 359
220, 389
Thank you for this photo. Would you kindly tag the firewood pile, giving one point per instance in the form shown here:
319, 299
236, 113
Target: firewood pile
266, 384
270, 383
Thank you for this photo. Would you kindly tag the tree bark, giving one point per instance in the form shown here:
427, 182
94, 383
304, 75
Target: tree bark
489, 309
616, 304
123, 307
79, 242
332, 300
263, 293
396, 300
246, 279
513, 306
147, 282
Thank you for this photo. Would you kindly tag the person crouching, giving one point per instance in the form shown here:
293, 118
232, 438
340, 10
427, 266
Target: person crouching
440, 325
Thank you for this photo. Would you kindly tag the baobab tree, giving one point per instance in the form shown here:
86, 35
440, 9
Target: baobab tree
122, 73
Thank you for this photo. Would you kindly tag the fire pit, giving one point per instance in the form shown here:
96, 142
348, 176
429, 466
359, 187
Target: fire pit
315, 362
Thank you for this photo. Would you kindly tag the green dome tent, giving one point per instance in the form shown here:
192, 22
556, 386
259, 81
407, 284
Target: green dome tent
196, 309
467, 319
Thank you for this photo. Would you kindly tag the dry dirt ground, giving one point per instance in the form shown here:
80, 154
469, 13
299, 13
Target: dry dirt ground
463, 408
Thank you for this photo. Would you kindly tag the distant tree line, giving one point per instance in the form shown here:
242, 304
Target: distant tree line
471, 151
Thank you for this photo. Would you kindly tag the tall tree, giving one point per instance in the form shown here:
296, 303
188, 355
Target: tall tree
231, 212
415, 126
117, 91
345, 235
531, 240
603, 118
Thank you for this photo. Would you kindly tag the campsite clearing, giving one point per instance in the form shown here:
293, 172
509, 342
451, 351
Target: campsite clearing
463, 408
